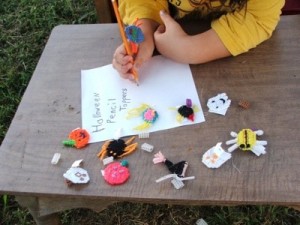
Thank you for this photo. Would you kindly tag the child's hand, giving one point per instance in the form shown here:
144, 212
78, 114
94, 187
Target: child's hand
170, 39
123, 63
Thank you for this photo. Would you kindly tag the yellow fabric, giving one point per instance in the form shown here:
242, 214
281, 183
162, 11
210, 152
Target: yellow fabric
245, 29
238, 29
130, 10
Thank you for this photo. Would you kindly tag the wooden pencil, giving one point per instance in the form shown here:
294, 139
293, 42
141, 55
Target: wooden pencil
124, 38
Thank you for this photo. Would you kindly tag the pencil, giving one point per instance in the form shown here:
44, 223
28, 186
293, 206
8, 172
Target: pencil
124, 38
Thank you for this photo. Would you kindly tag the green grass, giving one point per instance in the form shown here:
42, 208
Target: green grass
24, 28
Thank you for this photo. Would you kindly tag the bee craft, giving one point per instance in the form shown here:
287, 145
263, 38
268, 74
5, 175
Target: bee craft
186, 111
246, 140
117, 148
78, 138
148, 114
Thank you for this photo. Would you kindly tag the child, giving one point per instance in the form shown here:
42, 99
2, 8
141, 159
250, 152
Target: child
236, 27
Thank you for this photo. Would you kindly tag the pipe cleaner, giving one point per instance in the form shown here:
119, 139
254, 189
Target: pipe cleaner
117, 148
246, 141
149, 116
78, 138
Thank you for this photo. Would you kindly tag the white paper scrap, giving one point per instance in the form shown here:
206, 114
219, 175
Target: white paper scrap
77, 163
55, 158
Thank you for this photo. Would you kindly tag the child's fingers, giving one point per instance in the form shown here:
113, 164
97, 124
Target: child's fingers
144, 54
122, 69
166, 18
121, 57
122, 62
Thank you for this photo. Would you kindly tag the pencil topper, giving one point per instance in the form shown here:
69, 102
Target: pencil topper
117, 148
219, 104
116, 173
76, 175
246, 141
178, 168
134, 35
215, 156
149, 116
186, 111
78, 138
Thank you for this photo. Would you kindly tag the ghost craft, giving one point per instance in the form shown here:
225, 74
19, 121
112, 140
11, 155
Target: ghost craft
219, 104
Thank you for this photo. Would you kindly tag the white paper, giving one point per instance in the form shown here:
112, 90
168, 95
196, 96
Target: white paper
106, 98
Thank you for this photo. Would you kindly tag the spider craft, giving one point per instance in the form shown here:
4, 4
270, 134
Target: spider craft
77, 138
186, 111
116, 173
149, 116
246, 141
117, 148
178, 168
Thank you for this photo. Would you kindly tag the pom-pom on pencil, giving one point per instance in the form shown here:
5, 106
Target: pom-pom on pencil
124, 39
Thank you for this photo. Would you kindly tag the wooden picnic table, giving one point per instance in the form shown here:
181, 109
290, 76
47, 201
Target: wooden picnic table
267, 76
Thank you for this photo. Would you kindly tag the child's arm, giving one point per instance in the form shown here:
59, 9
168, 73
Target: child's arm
231, 34
172, 42
245, 29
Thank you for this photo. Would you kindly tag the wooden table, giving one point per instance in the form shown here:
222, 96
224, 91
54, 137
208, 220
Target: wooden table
268, 77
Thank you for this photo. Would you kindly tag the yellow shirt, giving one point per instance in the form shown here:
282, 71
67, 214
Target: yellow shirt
239, 29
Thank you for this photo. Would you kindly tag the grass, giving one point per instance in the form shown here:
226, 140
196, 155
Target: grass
24, 28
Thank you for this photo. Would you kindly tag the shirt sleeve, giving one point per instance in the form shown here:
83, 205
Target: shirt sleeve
130, 10
245, 29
